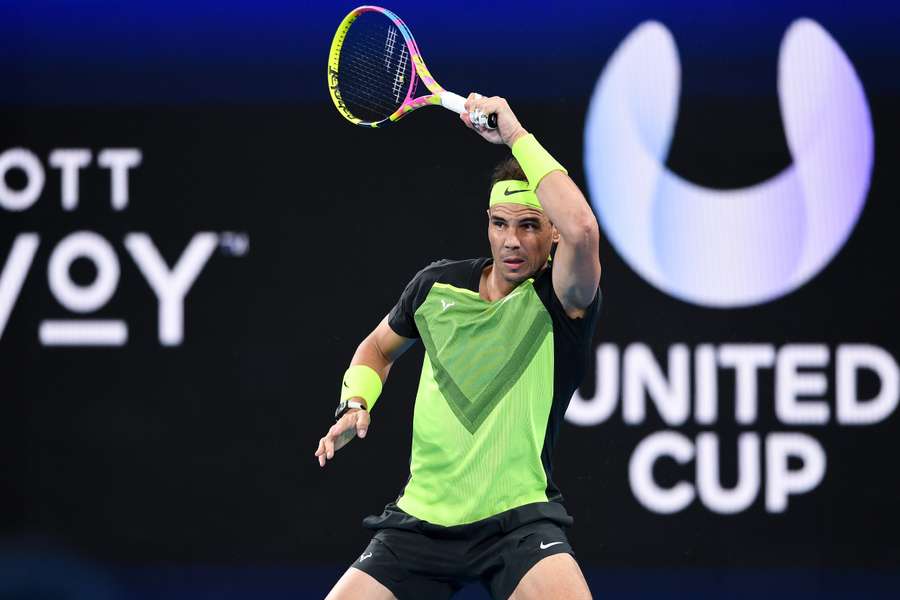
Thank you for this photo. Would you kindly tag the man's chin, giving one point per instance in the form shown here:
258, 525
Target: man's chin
517, 276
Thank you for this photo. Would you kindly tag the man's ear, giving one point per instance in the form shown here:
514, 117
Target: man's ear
554, 234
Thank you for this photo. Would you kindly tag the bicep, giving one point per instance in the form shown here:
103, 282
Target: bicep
576, 264
390, 344
576, 273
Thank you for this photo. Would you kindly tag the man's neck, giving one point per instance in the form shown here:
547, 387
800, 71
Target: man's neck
493, 287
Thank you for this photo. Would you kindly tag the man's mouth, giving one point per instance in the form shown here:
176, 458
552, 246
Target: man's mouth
513, 262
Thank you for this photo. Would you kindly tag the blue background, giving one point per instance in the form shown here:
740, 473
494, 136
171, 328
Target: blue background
226, 52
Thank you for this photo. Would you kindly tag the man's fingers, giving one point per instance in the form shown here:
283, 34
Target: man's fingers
362, 423
320, 453
349, 426
472, 101
352, 424
478, 110
494, 106
345, 430
333, 434
475, 104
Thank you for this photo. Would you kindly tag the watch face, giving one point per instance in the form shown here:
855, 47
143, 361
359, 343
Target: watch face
341, 409
346, 405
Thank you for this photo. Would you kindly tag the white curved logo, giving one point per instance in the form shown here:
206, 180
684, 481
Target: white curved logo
728, 248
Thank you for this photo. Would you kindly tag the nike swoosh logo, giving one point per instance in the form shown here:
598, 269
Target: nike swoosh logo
364, 556
544, 547
507, 192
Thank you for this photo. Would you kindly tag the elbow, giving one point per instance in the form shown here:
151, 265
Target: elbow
592, 229
585, 232
379, 353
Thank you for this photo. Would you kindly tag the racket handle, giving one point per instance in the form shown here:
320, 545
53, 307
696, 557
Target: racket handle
457, 104
454, 102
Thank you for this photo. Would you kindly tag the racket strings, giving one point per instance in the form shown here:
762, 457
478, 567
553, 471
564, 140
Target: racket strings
357, 82
374, 68
360, 81
398, 75
368, 83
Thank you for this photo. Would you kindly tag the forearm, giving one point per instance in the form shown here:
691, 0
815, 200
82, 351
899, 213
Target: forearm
563, 202
379, 350
363, 381
577, 266
370, 354
568, 210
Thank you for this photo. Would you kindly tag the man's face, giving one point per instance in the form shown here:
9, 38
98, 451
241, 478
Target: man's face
520, 239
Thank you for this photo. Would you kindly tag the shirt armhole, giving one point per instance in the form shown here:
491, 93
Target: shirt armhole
574, 327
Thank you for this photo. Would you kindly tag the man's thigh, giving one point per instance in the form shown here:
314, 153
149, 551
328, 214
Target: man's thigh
400, 565
357, 585
555, 577
522, 555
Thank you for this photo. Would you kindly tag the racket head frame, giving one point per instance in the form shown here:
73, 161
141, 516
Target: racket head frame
409, 103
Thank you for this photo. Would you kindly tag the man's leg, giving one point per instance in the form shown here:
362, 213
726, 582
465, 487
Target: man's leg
556, 577
383, 570
356, 585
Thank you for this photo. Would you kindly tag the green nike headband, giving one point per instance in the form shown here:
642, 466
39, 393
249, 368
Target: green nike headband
513, 191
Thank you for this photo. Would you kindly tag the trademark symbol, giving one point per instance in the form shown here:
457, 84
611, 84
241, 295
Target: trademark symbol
234, 243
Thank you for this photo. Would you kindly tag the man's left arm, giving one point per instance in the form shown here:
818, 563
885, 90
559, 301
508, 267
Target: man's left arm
576, 265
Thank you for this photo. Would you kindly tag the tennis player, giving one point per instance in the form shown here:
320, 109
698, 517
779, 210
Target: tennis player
506, 342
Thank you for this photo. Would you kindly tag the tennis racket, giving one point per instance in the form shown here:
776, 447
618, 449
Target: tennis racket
375, 71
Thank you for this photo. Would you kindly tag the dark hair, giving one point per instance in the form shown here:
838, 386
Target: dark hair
508, 168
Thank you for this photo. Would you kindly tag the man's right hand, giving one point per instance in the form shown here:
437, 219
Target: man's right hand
354, 423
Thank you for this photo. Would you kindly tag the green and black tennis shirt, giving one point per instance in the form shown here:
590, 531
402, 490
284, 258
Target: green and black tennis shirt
496, 380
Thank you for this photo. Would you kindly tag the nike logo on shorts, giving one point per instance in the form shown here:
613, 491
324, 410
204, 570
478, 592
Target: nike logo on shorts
545, 546
364, 556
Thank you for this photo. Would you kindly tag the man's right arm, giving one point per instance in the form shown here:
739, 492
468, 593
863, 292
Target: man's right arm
377, 351
380, 349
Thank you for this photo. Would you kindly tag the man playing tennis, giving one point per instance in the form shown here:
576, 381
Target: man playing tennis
506, 343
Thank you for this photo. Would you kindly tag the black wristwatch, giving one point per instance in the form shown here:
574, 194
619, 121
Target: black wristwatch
346, 405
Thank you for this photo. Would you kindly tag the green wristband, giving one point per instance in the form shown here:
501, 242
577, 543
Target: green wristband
363, 382
534, 160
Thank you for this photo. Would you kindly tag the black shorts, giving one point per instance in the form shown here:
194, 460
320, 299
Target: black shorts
417, 560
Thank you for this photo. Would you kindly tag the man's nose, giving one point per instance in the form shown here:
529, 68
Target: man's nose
511, 241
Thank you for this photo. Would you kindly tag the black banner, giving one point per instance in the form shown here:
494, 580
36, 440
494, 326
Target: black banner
182, 292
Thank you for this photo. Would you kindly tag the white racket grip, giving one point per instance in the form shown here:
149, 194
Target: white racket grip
454, 102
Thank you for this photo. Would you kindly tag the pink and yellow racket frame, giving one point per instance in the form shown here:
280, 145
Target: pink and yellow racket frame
438, 96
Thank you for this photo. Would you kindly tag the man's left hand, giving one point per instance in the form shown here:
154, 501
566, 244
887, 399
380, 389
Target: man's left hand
508, 127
